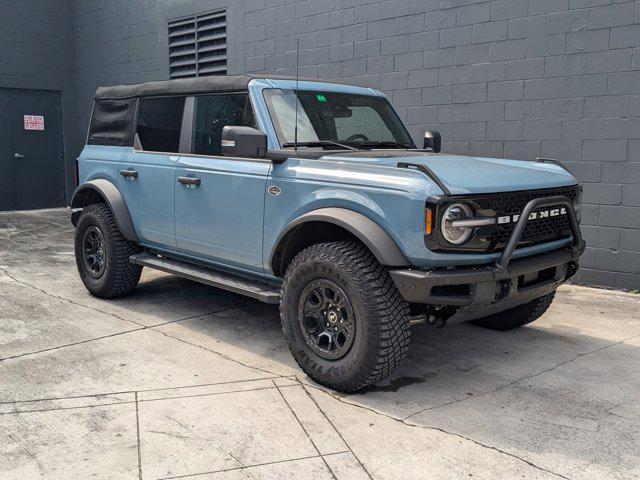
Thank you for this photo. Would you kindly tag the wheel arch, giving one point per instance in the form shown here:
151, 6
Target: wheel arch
332, 224
103, 191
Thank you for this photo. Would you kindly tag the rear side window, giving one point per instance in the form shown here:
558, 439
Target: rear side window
159, 123
112, 122
212, 113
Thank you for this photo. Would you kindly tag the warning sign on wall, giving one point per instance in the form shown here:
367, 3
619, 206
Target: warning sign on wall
33, 122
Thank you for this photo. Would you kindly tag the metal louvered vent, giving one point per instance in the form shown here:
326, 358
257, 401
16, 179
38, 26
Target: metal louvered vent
198, 45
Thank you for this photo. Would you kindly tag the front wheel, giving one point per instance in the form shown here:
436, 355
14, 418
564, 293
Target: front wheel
102, 254
343, 318
518, 316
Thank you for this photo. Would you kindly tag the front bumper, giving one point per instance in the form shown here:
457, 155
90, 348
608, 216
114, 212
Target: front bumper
484, 290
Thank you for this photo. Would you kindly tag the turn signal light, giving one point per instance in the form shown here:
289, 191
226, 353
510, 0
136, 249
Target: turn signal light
428, 222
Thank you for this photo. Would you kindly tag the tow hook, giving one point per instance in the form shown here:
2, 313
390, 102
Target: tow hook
504, 287
572, 269
429, 319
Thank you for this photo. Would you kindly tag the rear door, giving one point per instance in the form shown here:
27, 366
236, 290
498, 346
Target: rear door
147, 172
31, 157
219, 219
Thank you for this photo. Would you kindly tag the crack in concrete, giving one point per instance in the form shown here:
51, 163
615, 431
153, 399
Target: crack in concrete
78, 304
125, 402
28, 452
211, 394
75, 407
80, 342
252, 466
138, 444
142, 327
521, 379
63, 299
333, 475
424, 427
324, 414
169, 434
125, 392
221, 355
490, 447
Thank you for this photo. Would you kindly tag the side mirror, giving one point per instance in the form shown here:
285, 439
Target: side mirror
432, 141
243, 142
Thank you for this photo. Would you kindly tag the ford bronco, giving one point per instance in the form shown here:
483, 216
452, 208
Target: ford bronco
313, 195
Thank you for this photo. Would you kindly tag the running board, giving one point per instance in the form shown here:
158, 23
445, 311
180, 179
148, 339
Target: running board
250, 288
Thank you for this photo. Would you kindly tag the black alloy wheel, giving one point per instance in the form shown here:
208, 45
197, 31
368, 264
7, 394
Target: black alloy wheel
94, 252
326, 318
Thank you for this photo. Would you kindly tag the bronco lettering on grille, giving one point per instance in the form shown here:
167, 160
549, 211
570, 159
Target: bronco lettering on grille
554, 212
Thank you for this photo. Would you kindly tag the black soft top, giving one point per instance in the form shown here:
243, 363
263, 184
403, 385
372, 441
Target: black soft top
187, 86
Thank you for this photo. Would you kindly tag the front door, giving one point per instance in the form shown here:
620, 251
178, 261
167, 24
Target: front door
219, 200
31, 159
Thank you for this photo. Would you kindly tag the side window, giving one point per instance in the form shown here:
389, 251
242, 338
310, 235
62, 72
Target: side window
212, 113
111, 123
159, 123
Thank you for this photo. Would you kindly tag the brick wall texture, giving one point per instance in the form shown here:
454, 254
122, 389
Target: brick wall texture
501, 78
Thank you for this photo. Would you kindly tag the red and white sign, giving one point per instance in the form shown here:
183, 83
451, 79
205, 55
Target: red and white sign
33, 122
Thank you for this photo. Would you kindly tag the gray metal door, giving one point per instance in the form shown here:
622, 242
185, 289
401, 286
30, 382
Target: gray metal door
31, 160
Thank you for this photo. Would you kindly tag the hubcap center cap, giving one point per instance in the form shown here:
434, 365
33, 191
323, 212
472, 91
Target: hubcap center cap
332, 317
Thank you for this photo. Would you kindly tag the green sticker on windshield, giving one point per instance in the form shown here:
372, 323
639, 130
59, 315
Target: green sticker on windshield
321, 98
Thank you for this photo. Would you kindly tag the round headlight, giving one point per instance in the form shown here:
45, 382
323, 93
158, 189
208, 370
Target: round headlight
456, 235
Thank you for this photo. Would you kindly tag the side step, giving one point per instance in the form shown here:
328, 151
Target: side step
250, 288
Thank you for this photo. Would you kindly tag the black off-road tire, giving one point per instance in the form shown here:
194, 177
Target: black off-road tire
120, 276
517, 317
382, 316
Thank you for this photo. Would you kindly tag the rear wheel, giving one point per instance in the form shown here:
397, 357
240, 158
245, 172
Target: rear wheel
102, 254
517, 317
344, 320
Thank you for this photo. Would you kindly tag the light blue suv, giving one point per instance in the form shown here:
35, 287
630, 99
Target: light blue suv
313, 195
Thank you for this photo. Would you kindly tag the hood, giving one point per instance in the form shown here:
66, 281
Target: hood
463, 175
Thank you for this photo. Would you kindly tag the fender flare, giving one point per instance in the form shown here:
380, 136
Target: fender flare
113, 198
383, 247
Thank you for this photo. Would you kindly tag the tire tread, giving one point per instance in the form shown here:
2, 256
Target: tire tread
383, 304
122, 276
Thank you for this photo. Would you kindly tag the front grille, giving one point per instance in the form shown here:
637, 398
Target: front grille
536, 231
493, 238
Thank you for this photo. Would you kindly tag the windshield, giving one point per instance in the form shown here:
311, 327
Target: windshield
335, 120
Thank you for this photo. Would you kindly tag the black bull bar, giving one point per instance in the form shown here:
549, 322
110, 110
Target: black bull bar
486, 289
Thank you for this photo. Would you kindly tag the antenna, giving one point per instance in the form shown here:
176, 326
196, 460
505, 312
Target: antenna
295, 95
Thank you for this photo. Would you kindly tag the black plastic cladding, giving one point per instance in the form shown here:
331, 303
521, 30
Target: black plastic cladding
494, 238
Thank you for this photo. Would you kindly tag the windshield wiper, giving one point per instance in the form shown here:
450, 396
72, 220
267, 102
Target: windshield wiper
377, 143
319, 143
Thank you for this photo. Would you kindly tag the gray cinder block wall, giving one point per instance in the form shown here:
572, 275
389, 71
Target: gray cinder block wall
502, 78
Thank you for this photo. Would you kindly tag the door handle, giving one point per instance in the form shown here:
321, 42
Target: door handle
18, 155
131, 174
190, 181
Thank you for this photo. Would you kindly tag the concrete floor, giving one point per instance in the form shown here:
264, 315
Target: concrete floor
182, 380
